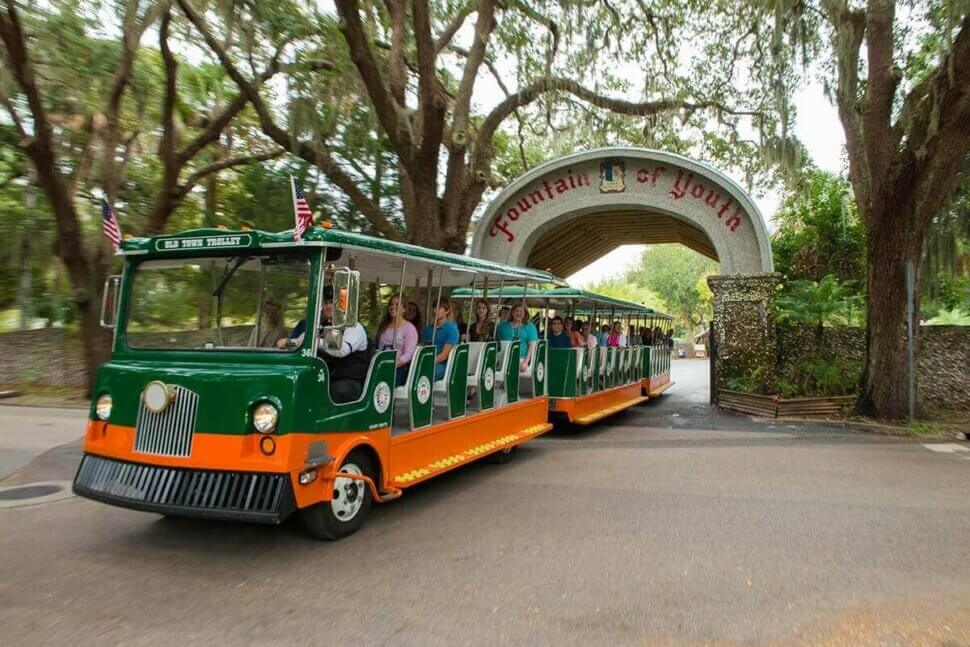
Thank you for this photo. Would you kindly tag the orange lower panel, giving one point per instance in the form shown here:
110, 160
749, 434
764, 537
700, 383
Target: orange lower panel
419, 455
655, 385
242, 454
586, 406
430, 451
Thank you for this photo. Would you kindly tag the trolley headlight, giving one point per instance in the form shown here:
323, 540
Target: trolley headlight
157, 396
102, 408
265, 417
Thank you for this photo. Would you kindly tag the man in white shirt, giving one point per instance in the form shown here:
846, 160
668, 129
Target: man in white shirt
348, 363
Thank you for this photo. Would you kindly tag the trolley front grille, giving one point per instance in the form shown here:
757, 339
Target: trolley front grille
231, 495
168, 433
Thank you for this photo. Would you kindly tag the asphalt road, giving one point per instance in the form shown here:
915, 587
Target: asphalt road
26, 432
668, 525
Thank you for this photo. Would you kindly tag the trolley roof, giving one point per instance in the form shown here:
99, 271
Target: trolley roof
580, 301
377, 259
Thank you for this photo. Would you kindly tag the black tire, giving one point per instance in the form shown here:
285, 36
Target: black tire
502, 456
321, 519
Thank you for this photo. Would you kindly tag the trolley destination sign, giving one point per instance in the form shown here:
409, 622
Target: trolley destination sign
203, 242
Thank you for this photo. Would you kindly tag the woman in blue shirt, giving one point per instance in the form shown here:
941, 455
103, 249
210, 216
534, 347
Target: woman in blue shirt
444, 334
516, 327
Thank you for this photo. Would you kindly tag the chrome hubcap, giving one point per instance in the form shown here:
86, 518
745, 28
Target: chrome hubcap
348, 494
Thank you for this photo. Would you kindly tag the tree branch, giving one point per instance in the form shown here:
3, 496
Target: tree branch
12, 111
389, 114
848, 26
432, 102
881, 82
215, 167
444, 38
318, 156
483, 30
41, 150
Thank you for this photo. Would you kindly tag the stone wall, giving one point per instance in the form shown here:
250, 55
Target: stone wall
942, 361
745, 337
51, 356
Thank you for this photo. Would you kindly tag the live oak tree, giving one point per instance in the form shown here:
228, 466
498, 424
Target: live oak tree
84, 112
417, 68
903, 97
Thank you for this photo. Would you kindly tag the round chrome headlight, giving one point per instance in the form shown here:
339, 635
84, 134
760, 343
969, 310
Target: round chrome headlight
157, 396
265, 417
102, 408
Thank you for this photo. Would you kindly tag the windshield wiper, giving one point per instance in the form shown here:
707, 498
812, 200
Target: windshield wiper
228, 275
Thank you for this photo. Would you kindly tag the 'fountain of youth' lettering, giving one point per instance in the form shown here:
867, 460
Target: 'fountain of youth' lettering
614, 196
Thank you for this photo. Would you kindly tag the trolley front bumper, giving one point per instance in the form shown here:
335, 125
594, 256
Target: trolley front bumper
184, 492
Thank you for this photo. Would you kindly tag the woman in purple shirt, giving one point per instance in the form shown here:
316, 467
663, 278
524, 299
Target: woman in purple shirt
394, 331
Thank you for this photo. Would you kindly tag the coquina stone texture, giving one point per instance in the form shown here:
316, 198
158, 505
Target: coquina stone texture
942, 359
745, 335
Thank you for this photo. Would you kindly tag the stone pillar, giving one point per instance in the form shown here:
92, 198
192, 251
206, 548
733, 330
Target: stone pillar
745, 336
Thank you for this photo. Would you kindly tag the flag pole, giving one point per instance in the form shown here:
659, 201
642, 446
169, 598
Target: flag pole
296, 224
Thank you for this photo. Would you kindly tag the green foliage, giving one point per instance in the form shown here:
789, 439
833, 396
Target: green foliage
677, 275
954, 317
756, 381
620, 288
816, 303
820, 377
819, 232
923, 429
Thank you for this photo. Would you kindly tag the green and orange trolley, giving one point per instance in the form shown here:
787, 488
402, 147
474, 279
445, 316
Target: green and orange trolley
216, 404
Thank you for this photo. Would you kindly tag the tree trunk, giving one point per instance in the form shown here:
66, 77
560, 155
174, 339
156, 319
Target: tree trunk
884, 389
95, 341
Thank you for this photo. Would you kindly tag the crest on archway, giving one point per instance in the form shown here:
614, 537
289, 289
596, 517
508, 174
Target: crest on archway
612, 176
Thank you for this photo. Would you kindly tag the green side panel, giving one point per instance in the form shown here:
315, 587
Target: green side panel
422, 387
228, 392
561, 373
540, 364
583, 384
486, 381
458, 383
645, 362
594, 369
610, 366
512, 373
638, 364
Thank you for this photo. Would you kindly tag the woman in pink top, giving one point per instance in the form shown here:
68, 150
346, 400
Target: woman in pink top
394, 331
616, 339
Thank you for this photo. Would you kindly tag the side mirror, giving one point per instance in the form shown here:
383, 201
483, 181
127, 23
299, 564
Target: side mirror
109, 301
346, 290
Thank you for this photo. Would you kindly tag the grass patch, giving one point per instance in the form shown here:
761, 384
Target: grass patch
923, 429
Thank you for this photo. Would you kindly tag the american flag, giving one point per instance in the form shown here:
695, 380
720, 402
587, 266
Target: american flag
109, 224
301, 210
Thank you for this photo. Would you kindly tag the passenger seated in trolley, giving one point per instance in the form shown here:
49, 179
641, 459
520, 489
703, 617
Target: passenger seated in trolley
394, 332
299, 330
616, 338
590, 338
481, 326
348, 363
558, 337
517, 327
443, 334
270, 330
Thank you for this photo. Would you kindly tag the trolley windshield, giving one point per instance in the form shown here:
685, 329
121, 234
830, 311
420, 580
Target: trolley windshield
247, 302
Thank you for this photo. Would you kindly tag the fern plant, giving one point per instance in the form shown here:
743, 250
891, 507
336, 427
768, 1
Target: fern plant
817, 303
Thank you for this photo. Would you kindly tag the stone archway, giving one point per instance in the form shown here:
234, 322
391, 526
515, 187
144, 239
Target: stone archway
568, 212
564, 214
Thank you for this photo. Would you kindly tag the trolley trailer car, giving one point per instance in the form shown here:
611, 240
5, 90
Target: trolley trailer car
216, 402
588, 383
